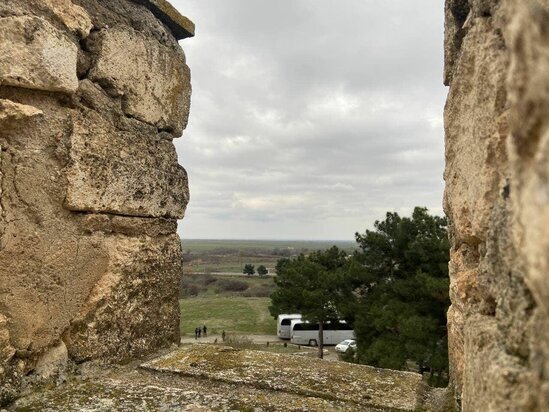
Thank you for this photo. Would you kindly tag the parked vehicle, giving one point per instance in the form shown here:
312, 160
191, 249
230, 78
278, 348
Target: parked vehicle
284, 324
305, 333
343, 347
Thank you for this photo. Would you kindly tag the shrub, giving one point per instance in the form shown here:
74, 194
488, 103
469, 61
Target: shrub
208, 279
261, 291
349, 356
232, 285
188, 290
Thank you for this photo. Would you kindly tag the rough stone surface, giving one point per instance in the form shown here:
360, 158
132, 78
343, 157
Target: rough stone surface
180, 25
152, 79
361, 385
89, 192
6, 350
116, 320
52, 361
131, 172
132, 226
64, 14
36, 55
218, 378
12, 112
73, 17
497, 199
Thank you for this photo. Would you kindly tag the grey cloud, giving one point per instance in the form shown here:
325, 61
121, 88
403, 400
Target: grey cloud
311, 118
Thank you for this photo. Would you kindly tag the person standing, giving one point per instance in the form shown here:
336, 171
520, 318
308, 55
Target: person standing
205, 331
196, 333
199, 331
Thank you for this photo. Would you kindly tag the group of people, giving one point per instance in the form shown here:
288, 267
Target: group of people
200, 331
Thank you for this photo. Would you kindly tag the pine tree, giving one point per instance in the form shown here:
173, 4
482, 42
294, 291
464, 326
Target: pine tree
310, 285
401, 276
249, 269
262, 270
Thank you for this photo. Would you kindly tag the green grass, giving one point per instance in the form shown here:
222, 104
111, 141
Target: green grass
217, 286
231, 314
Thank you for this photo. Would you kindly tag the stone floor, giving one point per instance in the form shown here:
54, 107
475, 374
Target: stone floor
204, 377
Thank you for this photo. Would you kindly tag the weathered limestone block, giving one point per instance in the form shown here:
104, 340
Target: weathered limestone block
90, 188
36, 55
456, 13
6, 350
11, 111
131, 226
2, 220
497, 199
493, 380
456, 344
529, 97
63, 14
475, 113
115, 322
126, 172
75, 18
152, 79
72, 16
52, 361
60, 269
11, 114
48, 267
180, 26
476, 132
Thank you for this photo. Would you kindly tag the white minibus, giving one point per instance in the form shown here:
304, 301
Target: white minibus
284, 323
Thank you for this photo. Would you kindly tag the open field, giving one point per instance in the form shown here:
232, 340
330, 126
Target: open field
228, 263
215, 256
200, 245
229, 313
207, 285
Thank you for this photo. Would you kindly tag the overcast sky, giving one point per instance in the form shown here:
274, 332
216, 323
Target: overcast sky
311, 118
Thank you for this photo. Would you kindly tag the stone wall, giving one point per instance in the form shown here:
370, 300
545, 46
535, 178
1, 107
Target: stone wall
497, 199
92, 92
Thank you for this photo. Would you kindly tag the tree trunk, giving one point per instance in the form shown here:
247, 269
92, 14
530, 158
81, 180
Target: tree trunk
321, 340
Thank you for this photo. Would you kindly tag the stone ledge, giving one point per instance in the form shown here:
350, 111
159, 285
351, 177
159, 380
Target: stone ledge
360, 387
180, 25
202, 378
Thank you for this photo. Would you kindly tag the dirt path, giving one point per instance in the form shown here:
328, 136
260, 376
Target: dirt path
329, 351
260, 339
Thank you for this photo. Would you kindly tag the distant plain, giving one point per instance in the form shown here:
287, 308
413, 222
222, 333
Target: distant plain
215, 292
230, 256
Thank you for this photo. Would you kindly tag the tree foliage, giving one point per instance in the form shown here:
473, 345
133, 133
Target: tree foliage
311, 285
394, 291
401, 276
249, 269
262, 270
